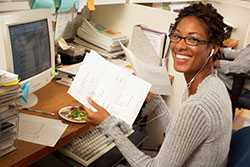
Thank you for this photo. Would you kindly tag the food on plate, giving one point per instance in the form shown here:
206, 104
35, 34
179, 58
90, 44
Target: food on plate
75, 113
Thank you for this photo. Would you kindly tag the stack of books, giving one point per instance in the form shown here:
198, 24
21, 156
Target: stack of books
9, 93
101, 36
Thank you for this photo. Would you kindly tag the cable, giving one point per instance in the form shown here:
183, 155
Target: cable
154, 118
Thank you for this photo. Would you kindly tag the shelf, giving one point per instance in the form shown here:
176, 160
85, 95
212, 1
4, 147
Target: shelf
14, 6
240, 3
161, 1
109, 2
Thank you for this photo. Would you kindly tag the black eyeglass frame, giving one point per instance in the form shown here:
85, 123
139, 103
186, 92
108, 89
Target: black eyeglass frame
196, 42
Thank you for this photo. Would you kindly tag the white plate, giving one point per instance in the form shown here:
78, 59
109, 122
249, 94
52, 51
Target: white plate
66, 110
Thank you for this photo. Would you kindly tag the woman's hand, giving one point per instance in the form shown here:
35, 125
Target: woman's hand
96, 117
150, 96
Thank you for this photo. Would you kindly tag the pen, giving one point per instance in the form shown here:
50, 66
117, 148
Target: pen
39, 111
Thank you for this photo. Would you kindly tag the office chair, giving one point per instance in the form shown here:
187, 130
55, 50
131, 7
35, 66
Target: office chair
239, 154
239, 97
239, 70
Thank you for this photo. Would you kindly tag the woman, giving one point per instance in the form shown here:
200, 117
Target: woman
199, 133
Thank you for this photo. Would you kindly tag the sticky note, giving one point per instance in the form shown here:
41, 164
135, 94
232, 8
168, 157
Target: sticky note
53, 72
91, 5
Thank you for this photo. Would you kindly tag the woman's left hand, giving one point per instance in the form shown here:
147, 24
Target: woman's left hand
96, 117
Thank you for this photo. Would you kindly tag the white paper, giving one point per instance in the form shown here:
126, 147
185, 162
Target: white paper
118, 91
40, 130
64, 25
6, 77
70, 69
156, 75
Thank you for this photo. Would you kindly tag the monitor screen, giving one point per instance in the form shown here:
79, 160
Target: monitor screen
30, 48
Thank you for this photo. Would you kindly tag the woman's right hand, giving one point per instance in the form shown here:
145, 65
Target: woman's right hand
97, 117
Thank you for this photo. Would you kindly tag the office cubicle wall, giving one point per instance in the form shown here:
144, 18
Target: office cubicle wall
123, 18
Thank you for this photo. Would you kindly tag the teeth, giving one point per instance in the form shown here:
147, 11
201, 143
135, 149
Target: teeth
182, 57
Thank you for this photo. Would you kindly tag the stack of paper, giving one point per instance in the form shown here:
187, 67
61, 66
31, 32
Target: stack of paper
101, 36
9, 93
101, 51
7, 78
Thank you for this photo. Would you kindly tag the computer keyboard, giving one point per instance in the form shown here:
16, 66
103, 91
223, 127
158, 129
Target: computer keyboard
87, 148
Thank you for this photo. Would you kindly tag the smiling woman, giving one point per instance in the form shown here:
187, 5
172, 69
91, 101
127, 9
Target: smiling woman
191, 54
199, 132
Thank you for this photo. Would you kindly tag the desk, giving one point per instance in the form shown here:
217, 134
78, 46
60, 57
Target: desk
52, 97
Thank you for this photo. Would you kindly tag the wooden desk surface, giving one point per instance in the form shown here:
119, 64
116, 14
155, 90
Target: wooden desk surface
51, 98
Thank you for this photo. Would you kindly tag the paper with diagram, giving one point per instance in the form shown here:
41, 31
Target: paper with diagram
40, 130
118, 91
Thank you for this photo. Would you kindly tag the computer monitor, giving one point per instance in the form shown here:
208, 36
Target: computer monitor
27, 47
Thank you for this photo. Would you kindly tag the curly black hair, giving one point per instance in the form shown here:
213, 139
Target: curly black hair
217, 30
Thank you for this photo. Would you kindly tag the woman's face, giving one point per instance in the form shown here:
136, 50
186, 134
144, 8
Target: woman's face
192, 53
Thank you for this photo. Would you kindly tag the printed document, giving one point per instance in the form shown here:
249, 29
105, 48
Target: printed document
118, 91
154, 74
40, 130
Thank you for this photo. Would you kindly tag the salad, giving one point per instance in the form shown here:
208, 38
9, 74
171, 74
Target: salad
76, 113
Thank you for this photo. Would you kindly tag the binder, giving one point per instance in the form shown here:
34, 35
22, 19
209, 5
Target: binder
146, 42
142, 54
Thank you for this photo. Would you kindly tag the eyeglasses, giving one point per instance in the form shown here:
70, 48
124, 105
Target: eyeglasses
189, 40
